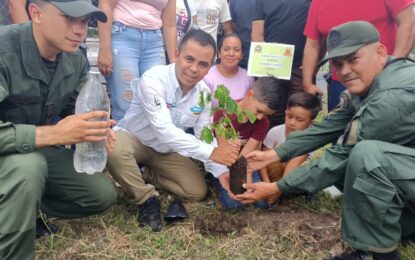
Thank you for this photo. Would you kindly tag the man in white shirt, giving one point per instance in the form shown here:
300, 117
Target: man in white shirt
153, 132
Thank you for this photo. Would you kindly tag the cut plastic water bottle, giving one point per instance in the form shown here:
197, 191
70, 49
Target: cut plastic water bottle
91, 157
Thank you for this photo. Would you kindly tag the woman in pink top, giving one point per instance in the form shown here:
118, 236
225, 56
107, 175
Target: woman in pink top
227, 71
131, 42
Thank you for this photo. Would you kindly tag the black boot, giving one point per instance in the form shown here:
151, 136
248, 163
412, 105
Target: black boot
149, 214
176, 211
45, 229
394, 255
355, 255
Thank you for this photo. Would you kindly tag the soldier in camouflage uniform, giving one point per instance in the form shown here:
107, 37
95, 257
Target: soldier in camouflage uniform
41, 74
374, 157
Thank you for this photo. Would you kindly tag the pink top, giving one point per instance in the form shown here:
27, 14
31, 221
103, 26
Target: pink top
237, 85
142, 14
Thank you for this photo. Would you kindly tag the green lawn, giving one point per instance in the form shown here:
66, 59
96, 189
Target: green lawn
296, 229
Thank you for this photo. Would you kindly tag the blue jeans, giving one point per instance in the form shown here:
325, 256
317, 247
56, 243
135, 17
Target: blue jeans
230, 204
134, 51
334, 91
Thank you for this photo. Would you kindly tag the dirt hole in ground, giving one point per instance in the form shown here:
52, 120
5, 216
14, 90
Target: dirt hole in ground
219, 223
288, 220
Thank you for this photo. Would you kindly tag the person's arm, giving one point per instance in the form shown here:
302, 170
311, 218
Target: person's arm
227, 27
391, 111
385, 116
14, 138
257, 34
318, 134
264, 171
23, 138
233, 15
221, 139
17, 137
258, 22
168, 17
188, 145
310, 59
234, 28
74, 129
225, 17
250, 146
260, 191
405, 36
17, 11
294, 163
302, 142
104, 32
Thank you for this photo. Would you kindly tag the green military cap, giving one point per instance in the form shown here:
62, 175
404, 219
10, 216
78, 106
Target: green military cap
79, 8
347, 38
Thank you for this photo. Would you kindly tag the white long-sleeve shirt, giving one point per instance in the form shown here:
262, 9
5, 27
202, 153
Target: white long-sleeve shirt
159, 114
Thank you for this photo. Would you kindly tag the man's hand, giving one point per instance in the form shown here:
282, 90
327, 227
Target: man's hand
226, 153
272, 199
313, 89
259, 159
224, 181
260, 191
104, 61
110, 140
75, 129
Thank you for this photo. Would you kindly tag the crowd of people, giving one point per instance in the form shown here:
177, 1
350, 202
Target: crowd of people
159, 57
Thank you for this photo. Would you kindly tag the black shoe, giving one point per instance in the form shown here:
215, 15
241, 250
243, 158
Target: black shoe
176, 211
149, 214
43, 229
355, 255
394, 255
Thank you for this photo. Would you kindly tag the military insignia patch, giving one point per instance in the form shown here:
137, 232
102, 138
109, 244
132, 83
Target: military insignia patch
334, 39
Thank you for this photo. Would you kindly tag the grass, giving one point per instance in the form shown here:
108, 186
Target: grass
115, 234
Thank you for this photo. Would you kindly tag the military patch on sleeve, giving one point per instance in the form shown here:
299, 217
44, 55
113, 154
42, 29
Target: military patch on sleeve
346, 101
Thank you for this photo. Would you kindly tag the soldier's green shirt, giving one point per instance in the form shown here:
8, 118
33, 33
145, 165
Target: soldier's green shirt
29, 96
385, 114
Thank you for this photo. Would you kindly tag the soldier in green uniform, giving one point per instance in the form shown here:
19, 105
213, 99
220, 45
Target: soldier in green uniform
374, 157
41, 73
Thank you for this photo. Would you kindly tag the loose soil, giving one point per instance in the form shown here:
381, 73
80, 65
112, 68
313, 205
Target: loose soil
318, 230
237, 175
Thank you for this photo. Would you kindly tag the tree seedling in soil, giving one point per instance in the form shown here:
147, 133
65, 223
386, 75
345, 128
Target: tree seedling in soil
225, 129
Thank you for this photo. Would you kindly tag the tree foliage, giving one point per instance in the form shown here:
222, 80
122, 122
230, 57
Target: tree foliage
224, 127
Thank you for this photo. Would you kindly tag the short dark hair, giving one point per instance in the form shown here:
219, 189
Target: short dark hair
306, 101
199, 36
224, 37
268, 90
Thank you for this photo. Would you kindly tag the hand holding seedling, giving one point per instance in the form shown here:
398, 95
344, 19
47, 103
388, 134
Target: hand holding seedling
228, 137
